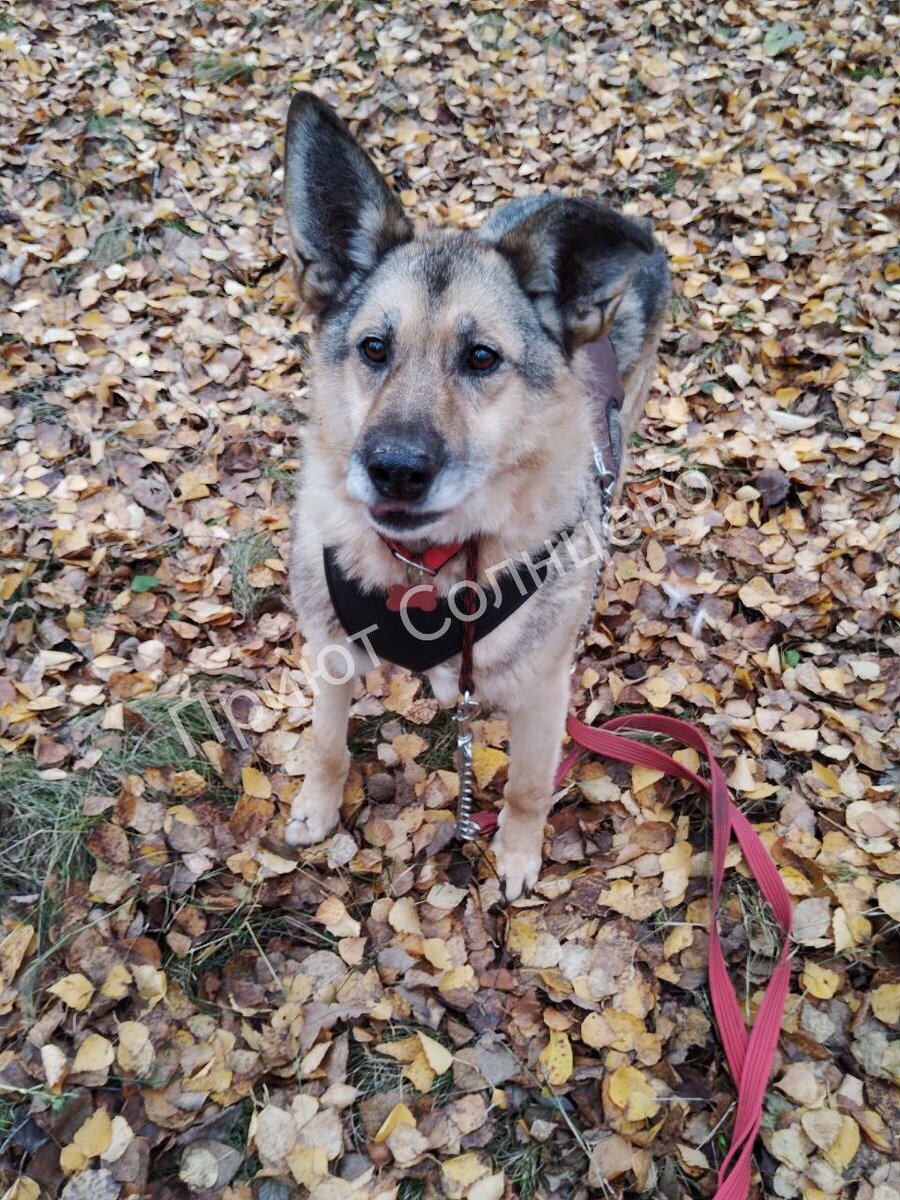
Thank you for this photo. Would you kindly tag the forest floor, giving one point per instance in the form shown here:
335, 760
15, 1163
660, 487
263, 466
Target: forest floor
187, 1008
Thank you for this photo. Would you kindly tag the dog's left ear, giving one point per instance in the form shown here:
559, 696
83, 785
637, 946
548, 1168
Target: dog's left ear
342, 215
574, 258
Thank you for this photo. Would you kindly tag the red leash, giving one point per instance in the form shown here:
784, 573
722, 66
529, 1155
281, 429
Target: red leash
750, 1054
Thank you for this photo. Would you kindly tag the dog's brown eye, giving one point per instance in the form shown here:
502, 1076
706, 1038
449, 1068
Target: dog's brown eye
482, 358
374, 349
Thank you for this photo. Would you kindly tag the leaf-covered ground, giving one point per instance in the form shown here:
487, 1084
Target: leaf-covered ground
184, 1005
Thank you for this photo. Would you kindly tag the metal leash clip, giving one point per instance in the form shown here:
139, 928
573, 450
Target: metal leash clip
467, 709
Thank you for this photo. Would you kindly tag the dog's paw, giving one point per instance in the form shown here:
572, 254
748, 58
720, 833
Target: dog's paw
311, 821
517, 850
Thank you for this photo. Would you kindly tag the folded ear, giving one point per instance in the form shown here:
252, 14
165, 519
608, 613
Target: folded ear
574, 257
341, 214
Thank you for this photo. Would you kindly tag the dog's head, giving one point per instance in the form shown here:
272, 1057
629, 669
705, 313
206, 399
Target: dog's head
443, 361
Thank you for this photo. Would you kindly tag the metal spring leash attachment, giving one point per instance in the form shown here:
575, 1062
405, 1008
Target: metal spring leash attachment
465, 712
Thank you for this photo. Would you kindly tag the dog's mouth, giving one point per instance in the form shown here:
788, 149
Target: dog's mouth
395, 519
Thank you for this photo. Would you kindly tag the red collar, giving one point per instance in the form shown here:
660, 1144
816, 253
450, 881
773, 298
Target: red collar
429, 560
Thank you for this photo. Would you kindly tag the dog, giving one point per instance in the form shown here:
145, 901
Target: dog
451, 400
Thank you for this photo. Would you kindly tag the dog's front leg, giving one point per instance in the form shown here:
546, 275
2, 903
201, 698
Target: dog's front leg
535, 736
316, 809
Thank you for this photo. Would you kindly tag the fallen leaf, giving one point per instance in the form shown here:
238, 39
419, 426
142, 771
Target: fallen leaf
75, 991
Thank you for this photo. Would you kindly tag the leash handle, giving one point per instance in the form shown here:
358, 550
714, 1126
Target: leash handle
750, 1053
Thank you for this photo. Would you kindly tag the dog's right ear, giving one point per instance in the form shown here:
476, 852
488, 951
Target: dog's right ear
341, 214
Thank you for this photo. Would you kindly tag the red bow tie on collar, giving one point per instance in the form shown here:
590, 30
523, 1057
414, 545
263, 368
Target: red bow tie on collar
429, 560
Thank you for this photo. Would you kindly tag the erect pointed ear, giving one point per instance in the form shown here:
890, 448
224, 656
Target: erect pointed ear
341, 214
574, 257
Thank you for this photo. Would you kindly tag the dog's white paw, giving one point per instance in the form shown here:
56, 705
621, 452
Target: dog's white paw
517, 849
311, 820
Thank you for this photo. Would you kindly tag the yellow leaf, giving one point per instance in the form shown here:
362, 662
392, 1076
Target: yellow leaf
151, 983
757, 591
492, 1187
827, 776
795, 881
22, 1189
446, 896
399, 1115
404, 916
556, 1059
332, 912
439, 1057
886, 1003
522, 937
486, 762
308, 1165
837, 1136
95, 1135
459, 977
656, 692
75, 991
255, 783
741, 777
875, 1129
419, 1073
435, 950
401, 1049
94, 1054
819, 981
117, 982
180, 812
54, 1063
688, 757
13, 950
630, 1091
656, 561
889, 898
843, 1149
644, 777
835, 679
121, 1139
803, 740
849, 932
135, 1053
72, 1160
464, 1168
679, 939
409, 745
773, 174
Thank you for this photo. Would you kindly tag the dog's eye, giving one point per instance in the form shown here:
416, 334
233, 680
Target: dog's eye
374, 349
482, 358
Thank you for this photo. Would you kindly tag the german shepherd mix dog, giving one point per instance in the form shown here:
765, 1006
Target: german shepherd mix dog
451, 400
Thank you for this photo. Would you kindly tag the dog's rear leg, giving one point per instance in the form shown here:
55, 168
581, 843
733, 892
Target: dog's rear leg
535, 737
316, 809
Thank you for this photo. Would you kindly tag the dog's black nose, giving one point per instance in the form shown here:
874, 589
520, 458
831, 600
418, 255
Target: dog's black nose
401, 471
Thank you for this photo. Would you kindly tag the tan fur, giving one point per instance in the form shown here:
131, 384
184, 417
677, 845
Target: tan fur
521, 440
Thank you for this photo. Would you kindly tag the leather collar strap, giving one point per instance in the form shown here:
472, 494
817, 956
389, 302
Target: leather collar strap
429, 560
608, 396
